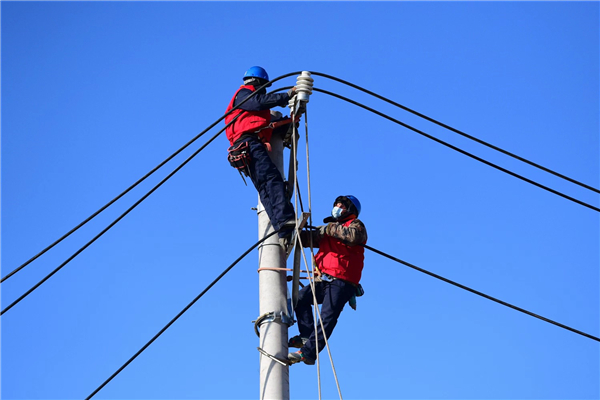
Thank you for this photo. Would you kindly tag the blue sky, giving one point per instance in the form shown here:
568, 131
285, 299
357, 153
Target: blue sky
95, 94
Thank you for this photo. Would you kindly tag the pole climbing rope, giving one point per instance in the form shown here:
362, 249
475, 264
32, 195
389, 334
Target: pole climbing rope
312, 257
317, 315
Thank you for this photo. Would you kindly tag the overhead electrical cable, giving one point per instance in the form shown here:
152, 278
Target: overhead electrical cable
274, 80
460, 150
92, 216
506, 152
116, 220
481, 294
178, 315
111, 224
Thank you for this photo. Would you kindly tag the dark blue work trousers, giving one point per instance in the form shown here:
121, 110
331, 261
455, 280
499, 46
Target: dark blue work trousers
333, 296
270, 186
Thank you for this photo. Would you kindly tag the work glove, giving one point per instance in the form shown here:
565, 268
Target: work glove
322, 230
292, 92
276, 115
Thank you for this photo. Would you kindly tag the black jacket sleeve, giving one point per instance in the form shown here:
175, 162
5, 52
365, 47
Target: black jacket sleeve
261, 101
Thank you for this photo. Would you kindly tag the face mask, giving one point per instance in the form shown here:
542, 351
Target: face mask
337, 212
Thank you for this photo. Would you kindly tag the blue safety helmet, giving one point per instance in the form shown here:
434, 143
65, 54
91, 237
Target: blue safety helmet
256, 72
351, 202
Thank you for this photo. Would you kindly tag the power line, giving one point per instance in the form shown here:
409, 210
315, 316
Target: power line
110, 225
119, 218
274, 80
460, 150
482, 294
506, 152
194, 154
92, 216
177, 316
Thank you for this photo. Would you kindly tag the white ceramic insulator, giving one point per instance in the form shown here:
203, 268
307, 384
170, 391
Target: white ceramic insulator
304, 86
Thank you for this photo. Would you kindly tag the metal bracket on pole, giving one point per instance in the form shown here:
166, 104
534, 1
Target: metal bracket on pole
301, 224
296, 274
273, 316
285, 363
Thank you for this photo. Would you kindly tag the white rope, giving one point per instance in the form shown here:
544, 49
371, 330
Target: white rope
296, 188
316, 311
312, 255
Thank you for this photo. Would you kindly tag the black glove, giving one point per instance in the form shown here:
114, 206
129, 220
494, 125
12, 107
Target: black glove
328, 219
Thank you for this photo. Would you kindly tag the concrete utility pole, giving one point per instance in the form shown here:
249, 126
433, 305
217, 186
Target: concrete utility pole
274, 377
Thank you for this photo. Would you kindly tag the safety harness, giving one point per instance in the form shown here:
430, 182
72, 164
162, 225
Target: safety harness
238, 154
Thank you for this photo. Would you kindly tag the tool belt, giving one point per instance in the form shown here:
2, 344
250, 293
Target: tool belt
358, 289
238, 156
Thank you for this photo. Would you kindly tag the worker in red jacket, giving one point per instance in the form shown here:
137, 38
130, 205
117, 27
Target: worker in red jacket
249, 136
340, 262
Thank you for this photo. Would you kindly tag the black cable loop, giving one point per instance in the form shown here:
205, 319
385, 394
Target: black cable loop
460, 150
177, 316
506, 152
141, 179
481, 294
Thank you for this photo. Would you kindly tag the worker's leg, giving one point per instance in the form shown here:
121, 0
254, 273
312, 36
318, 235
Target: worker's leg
336, 295
269, 183
304, 310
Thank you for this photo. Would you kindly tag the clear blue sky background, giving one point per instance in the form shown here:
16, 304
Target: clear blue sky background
95, 94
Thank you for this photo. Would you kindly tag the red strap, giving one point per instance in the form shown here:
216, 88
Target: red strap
282, 122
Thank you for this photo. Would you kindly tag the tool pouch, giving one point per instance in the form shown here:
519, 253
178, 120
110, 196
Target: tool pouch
359, 290
238, 156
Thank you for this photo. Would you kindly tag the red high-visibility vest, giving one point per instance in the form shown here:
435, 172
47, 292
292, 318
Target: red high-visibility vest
340, 260
248, 121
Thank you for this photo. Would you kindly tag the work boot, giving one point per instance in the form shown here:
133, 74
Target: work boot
297, 342
296, 357
288, 225
287, 230
285, 241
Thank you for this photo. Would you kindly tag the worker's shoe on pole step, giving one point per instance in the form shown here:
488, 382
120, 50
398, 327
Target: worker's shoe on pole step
285, 242
297, 342
287, 227
298, 356
286, 233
